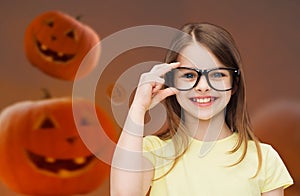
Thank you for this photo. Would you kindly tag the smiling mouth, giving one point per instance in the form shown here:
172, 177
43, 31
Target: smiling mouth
61, 167
51, 55
205, 100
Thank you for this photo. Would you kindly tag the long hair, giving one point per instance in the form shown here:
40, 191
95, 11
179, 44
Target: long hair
222, 45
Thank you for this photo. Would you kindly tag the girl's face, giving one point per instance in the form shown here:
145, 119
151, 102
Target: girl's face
201, 102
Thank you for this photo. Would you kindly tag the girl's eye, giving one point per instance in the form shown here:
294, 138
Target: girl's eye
217, 75
189, 75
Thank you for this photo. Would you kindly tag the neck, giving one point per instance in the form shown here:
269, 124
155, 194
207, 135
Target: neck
212, 129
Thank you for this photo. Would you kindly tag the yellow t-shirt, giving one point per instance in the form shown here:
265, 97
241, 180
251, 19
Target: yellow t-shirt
205, 169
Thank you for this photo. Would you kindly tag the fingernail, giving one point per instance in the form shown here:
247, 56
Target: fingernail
175, 63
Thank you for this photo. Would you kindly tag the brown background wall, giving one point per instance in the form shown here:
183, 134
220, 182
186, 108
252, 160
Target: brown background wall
267, 33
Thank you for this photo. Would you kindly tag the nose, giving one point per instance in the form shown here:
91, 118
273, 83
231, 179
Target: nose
202, 84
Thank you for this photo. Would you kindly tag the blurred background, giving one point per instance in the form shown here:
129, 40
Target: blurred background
267, 34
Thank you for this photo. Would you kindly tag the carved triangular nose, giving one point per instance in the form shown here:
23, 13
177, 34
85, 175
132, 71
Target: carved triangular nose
47, 123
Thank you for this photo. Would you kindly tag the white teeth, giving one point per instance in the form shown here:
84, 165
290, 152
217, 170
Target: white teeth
43, 47
202, 100
79, 160
49, 58
64, 173
50, 160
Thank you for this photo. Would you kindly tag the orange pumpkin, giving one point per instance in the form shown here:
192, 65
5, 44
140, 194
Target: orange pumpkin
57, 43
42, 152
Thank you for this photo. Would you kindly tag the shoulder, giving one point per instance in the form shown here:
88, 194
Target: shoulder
158, 151
152, 142
266, 149
152, 138
268, 152
274, 170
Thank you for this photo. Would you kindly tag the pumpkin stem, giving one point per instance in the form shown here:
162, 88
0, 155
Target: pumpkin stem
47, 94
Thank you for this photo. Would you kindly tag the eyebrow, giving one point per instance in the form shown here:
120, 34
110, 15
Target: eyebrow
198, 67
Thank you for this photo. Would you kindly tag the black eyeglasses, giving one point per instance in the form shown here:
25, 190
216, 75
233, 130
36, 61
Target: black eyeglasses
186, 78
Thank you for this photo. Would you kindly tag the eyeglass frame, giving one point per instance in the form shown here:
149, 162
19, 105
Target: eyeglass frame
205, 72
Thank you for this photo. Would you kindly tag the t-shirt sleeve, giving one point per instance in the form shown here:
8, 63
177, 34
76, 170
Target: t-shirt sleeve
148, 148
276, 173
160, 153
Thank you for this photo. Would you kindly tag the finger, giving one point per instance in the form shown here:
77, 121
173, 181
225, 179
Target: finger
158, 66
162, 69
157, 87
175, 64
168, 92
150, 78
162, 94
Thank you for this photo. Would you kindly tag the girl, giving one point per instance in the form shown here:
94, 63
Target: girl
208, 148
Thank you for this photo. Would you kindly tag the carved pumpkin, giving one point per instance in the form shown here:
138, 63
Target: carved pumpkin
42, 152
57, 43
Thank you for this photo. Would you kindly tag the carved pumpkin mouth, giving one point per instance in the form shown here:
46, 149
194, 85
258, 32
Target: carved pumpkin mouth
53, 56
61, 167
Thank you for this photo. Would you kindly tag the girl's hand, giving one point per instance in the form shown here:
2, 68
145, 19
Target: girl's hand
149, 91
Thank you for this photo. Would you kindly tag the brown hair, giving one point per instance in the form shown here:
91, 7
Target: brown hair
221, 44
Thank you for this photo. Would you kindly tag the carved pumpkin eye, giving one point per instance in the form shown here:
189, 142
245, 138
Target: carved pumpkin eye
47, 123
50, 23
71, 34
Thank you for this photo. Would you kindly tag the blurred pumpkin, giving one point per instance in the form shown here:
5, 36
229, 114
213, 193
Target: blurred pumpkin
57, 43
278, 124
42, 152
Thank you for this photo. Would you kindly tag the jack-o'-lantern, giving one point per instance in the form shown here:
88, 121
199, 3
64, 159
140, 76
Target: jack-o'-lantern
57, 43
42, 152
